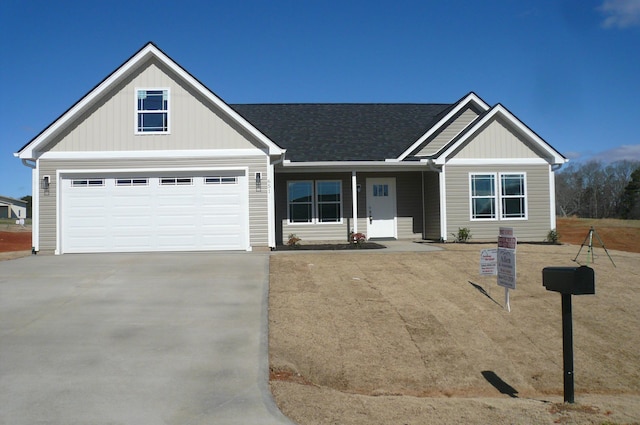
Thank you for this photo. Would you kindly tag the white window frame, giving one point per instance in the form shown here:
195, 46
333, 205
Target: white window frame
523, 196
160, 111
315, 219
132, 181
317, 202
499, 197
175, 181
94, 182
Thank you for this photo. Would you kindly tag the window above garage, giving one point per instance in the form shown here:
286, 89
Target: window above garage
152, 111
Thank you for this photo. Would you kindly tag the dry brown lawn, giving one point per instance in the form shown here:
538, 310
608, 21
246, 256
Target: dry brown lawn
415, 338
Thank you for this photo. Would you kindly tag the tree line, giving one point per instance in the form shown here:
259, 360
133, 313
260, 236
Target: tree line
596, 189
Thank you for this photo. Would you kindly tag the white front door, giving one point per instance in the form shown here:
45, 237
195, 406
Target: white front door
381, 207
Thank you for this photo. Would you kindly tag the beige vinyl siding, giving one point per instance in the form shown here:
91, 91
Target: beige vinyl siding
432, 205
534, 228
258, 213
450, 131
110, 124
497, 140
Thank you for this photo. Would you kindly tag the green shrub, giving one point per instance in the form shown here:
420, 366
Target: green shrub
464, 234
552, 236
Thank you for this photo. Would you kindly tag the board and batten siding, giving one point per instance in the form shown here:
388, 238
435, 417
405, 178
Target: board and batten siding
533, 229
497, 140
451, 130
258, 205
110, 124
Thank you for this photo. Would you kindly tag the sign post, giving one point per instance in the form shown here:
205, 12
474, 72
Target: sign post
507, 262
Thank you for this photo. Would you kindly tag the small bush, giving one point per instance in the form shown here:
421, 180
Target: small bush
293, 240
464, 234
552, 236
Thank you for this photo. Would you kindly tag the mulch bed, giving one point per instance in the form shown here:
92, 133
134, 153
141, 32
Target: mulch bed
329, 247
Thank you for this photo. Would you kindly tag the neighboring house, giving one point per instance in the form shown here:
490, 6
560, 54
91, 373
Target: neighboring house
12, 208
152, 160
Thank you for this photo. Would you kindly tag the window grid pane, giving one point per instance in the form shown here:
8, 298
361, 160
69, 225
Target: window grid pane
300, 201
483, 196
153, 111
329, 200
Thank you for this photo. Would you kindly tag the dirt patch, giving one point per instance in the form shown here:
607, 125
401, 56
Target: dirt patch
15, 240
623, 235
411, 338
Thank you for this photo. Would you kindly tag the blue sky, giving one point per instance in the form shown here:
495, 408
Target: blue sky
570, 69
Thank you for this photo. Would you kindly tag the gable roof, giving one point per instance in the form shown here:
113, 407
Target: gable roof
498, 110
343, 132
147, 52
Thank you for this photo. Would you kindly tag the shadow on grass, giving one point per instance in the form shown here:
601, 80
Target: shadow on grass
499, 384
484, 292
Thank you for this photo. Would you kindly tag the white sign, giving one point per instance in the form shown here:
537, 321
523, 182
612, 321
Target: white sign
489, 262
507, 268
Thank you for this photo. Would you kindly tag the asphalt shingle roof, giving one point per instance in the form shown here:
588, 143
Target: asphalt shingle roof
342, 132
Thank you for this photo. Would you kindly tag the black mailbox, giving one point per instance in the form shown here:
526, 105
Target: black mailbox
569, 280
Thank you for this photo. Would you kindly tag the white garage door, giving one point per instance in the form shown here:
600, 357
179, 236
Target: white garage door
162, 212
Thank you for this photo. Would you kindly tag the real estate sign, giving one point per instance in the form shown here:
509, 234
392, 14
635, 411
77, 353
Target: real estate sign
507, 258
489, 262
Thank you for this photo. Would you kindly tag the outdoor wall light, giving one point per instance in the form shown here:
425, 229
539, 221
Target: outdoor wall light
359, 188
44, 184
258, 182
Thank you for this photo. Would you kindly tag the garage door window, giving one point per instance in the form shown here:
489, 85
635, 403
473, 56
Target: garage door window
221, 180
176, 181
87, 183
132, 182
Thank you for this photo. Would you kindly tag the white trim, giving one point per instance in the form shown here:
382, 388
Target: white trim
136, 131
466, 101
496, 189
443, 204
497, 161
557, 158
271, 229
552, 198
141, 56
196, 153
35, 207
354, 201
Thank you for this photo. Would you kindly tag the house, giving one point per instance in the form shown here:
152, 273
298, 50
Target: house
152, 160
12, 208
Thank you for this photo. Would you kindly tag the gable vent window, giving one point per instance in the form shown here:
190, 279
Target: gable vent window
176, 181
152, 111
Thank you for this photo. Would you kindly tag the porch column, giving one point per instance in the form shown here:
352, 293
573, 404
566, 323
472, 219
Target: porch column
354, 201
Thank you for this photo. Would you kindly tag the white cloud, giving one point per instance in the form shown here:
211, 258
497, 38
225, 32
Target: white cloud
620, 13
629, 152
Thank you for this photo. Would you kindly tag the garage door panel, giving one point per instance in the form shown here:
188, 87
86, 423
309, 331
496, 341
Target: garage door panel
120, 218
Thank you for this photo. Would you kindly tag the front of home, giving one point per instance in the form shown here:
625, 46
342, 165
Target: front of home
152, 160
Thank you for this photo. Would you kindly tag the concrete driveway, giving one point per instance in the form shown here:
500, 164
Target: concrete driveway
170, 338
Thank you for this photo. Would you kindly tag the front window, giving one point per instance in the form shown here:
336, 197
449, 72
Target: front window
300, 202
328, 200
500, 196
513, 195
483, 196
152, 111
319, 203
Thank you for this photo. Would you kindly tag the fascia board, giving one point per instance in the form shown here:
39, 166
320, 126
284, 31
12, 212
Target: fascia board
441, 158
150, 49
471, 97
322, 166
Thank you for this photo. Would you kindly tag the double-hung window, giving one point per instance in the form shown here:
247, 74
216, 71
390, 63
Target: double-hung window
498, 196
152, 110
314, 202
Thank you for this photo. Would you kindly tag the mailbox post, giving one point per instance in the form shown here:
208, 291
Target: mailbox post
568, 281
